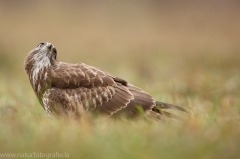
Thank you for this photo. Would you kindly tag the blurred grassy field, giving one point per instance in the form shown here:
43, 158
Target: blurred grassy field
186, 53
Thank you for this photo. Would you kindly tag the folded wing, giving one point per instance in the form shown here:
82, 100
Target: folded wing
79, 87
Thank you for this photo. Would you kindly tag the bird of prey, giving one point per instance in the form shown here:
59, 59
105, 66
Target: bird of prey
73, 89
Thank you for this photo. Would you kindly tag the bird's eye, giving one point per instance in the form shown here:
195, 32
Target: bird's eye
40, 45
54, 52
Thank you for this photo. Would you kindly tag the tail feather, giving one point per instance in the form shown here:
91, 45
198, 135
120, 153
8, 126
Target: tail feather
162, 105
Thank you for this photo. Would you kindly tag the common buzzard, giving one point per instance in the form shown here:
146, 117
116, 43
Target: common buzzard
72, 89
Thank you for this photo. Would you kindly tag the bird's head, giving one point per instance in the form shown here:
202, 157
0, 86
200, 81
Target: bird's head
45, 49
37, 62
45, 54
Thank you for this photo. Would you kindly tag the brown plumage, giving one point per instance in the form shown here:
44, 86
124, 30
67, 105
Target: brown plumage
64, 88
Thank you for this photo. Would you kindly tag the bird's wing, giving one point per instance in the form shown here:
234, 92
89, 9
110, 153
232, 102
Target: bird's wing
76, 86
106, 99
79, 87
66, 75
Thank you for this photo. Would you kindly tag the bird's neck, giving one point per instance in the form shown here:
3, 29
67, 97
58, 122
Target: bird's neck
40, 81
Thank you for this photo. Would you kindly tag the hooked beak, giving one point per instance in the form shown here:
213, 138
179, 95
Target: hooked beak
51, 48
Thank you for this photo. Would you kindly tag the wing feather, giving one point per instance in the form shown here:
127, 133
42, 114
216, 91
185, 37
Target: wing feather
79, 87
111, 99
65, 75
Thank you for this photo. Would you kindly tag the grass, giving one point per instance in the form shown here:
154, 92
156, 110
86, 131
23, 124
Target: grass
211, 130
180, 53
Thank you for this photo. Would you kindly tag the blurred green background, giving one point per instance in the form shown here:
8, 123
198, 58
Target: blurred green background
182, 52
154, 40
166, 47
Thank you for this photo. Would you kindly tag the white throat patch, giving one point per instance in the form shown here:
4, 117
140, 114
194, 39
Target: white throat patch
41, 62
